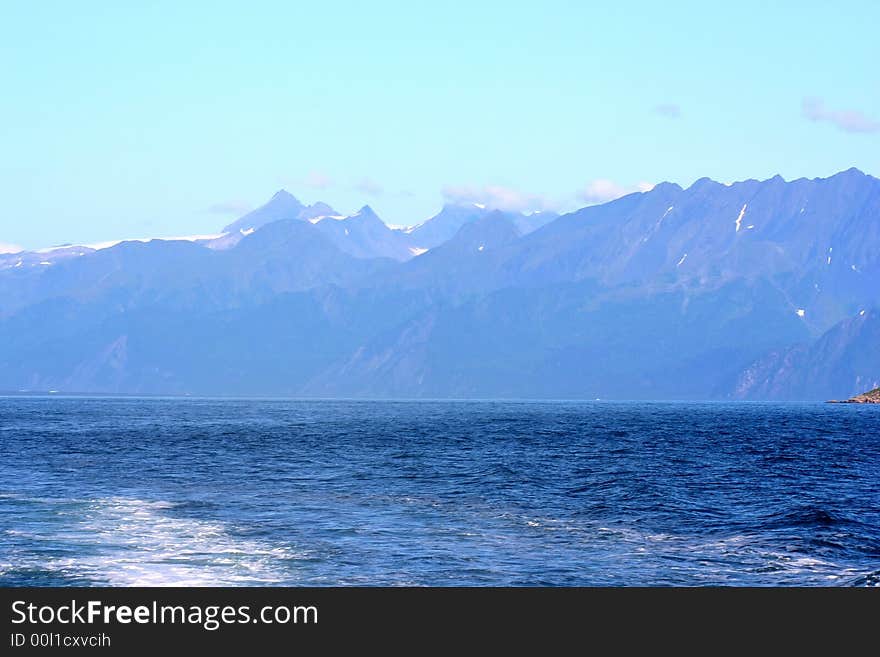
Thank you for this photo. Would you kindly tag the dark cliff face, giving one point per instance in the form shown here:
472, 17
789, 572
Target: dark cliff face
756, 290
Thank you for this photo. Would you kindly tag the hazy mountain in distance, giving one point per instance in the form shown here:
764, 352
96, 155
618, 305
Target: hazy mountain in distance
444, 225
758, 289
362, 234
282, 205
280, 257
457, 265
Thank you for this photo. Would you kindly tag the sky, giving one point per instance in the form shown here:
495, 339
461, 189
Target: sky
125, 120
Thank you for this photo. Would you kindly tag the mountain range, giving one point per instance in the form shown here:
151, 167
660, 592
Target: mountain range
753, 290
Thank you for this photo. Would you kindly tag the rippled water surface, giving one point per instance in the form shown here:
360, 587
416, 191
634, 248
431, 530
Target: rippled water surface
215, 492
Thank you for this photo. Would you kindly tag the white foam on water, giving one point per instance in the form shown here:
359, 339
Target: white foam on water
130, 542
730, 555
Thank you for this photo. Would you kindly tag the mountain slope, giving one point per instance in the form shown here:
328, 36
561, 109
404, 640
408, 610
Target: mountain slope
842, 363
280, 257
815, 240
569, 341
364, 235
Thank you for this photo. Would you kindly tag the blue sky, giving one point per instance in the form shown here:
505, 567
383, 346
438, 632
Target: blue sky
155, 118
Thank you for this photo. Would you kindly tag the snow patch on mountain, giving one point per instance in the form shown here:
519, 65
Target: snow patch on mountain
739, 219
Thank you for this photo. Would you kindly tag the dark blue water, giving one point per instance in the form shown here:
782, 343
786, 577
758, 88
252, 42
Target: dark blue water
157, 491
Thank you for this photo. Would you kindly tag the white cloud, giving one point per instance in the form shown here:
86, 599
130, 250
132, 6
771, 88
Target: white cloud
847, 120
10, 248
496, 197
369, 187
231, 207
669, 110
317, 180
602, 190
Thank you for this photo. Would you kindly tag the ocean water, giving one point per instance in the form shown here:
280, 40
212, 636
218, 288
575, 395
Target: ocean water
127, 491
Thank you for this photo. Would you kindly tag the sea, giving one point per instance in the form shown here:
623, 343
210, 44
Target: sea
211, 492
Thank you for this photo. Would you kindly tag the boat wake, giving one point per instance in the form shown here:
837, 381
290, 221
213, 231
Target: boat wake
130, 542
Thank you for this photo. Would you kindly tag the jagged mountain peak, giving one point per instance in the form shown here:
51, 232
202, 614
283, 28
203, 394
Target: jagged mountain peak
664, 187
282, 205
852, 172
322, 209
366, 214
282, 195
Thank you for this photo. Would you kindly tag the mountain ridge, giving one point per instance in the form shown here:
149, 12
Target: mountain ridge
737, 291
